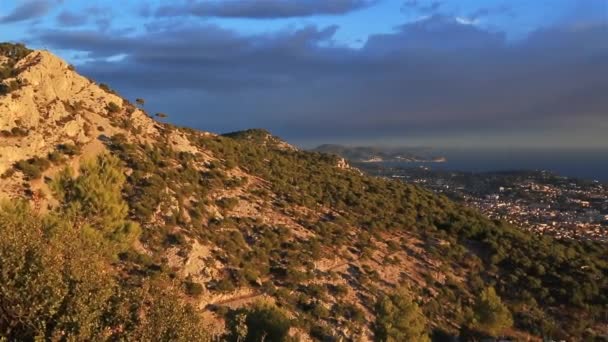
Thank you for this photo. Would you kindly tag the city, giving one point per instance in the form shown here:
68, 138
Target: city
537, 201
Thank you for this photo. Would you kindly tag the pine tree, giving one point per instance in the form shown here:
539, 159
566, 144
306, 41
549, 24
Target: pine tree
491, 316
94, 199
399, 318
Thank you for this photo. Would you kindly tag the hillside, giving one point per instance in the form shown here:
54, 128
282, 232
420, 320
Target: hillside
367, 154
116, 226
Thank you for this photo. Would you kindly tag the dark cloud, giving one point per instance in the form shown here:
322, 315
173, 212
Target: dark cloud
435, 76
67, 18
267, 9
436, 32
26, 11
100, 16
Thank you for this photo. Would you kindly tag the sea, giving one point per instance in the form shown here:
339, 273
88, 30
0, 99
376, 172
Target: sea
582, 164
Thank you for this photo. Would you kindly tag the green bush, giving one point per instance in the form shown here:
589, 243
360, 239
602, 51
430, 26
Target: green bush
398, 318
14, 52
34, 167
57, 284
261, 322
491, 316
113, 108
69, 149
95, 197
106, 88
227, 203
193, 289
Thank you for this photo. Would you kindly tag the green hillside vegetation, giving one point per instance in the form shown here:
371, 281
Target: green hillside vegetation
536, 276
58, 281
102, 213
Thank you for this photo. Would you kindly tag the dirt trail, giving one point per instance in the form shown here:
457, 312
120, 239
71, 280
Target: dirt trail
235, 300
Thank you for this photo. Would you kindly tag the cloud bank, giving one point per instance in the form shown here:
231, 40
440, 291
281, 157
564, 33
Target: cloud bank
434, 77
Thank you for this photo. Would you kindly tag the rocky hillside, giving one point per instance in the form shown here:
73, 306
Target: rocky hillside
51, 111
243, 237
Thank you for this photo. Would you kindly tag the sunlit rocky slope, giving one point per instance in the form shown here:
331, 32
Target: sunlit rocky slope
256, 238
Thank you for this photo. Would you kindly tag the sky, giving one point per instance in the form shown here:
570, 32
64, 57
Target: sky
491, 73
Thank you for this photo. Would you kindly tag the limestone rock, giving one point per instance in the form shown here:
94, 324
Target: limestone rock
55, 105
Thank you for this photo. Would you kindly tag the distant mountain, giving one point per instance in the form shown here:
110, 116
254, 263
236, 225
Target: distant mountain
375, 154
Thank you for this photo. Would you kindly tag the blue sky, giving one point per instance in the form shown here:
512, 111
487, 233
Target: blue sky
514, 17
453, 72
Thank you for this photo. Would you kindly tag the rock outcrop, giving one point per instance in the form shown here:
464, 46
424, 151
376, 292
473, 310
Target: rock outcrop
53, 105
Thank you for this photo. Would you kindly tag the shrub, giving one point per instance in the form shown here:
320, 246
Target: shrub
49, 294
106, 88
10, 87
175, 239
8, 173
491, 316
69, 149
14, 132
224, 285
338, 290
193, 289
227, 203
398, 318
261, 322
57, 284
113, 108
14, 51
163, 318
95, 197
32, 168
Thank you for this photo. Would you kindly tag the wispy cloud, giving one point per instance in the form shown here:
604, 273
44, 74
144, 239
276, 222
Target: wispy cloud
26, 11
267, 9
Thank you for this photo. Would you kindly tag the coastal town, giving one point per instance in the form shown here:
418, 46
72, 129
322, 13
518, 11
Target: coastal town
536, 201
